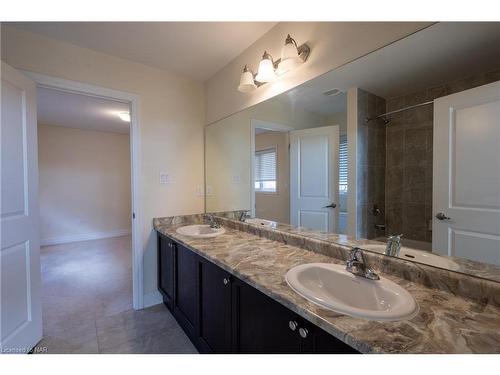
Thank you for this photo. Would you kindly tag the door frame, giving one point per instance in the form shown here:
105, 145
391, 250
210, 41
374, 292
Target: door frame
133, 100
259, 124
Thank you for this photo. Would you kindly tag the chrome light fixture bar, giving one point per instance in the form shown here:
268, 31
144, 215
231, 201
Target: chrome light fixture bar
292, 56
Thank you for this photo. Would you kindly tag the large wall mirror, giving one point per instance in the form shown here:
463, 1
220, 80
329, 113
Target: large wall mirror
403, 141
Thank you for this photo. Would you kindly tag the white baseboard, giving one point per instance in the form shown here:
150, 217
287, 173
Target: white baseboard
83, 237
151, 299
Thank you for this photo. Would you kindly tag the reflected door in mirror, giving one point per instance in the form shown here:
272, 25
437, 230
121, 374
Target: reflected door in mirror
314, 178
467, 174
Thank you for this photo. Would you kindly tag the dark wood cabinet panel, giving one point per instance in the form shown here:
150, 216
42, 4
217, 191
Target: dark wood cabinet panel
166, 269
215, 309
261, 325
186, 290
321, 342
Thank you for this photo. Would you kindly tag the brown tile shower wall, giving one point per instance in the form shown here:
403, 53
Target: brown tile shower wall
371, 165
408, 189
409, 137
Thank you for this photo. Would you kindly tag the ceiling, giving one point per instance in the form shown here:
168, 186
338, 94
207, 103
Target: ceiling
194, 49
436, 55
60, 108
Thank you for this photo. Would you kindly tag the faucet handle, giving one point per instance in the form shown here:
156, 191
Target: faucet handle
356, 254
213, 224
395, 236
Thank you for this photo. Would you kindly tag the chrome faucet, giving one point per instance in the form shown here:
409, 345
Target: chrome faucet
357, 266
244, 215
212, 222
393, 246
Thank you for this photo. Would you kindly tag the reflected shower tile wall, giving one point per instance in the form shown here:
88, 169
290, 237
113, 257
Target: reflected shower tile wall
409, 167
408, 170
371, 165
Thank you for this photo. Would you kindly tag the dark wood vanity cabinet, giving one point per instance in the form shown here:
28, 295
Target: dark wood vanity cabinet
214, 309
185, 305
222, 314
262, 325
166, 267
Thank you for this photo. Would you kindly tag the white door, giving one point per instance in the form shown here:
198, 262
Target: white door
20, 303
466, 191
314, 173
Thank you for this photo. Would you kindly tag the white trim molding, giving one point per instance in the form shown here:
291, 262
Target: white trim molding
352, 160
153, 298
134, 101
84, 237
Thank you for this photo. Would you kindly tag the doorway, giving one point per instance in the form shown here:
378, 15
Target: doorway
280, 189
85, 211
133, 101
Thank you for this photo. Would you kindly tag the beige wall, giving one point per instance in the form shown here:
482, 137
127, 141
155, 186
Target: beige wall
227, 151
332, 44
171, 123
84, 188
340, 119
275, 206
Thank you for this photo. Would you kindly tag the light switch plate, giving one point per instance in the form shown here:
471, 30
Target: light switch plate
236, 179
209, 191
164, 178
199, 191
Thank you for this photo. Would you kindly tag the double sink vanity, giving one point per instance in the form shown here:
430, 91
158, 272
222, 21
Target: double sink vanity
245, 287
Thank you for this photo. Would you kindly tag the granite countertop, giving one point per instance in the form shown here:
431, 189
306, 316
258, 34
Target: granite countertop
445, 323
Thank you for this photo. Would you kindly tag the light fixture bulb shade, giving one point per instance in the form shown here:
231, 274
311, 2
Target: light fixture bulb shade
247, 83
266, 71
124, 116
289, 58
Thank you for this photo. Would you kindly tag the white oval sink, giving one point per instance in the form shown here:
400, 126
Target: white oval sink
332, 287
416, 255
200, 231
260, 222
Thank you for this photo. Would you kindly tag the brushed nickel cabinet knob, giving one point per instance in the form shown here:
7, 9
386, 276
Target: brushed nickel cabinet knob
303, 332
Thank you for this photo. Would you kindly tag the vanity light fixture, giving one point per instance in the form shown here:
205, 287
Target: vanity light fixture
290, 58
247, 82
124, 116
266, 71
269, 70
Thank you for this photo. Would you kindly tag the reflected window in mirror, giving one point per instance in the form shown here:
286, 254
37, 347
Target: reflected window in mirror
343, 187
265, 171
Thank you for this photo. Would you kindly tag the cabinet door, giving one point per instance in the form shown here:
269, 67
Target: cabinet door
215, 309
321, 342
260, 324
186, 290
166, 267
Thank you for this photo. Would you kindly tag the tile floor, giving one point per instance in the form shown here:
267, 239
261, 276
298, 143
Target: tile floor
87, 303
